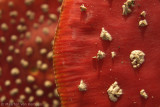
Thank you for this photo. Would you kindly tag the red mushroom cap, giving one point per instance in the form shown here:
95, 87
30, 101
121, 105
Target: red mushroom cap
106, 53
26, 38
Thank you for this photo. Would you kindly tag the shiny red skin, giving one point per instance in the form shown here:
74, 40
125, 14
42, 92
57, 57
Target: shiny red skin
78, 40
40, 76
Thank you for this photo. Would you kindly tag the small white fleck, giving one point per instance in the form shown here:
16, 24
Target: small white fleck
134, 102
143, 23
41, 19
82, 86
143, 94
2, 39
18, 81
13, 38
13, 13
56, 93
10, 4
39, 63
113, 54
14, 91
24, 63
94, 57
130, 3
11, 48
15, 71
9, 59
44, 67
16, 51
29, 51
100, 54
3, 98
83, 8
31, 99
52, 42
7, 83
38, 40
43, 51
39, 92
30, 14
55, 103
45, 30
22, 97
29, 2
4, 26
126, 7
28, 90
28, 35
53, 17
30, 79
59, 9
47, 83
50, 55
21, 28
105, 35
45, 8
143, 13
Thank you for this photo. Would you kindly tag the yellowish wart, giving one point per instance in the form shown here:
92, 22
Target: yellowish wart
100, 55
113, 54
82, 86
143, 13
105, 35
114, 92
83, 8
137, 58
126, 7
143, 23
143, 94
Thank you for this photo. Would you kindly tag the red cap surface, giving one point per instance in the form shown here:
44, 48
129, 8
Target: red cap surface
27, 28
106, 53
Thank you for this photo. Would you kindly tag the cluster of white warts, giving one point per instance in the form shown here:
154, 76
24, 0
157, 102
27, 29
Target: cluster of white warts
114, 91
29, 51
126, 7
136, 56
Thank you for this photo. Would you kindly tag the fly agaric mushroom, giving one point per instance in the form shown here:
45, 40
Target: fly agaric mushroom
131, 79
26, 37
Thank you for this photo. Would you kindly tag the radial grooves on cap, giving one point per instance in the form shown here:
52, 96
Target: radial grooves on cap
56, 64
